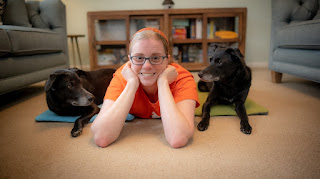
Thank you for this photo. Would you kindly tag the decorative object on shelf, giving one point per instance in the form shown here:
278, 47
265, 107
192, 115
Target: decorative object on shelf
168, 4
226, 34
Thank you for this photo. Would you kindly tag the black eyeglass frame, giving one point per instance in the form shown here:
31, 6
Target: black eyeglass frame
145, 59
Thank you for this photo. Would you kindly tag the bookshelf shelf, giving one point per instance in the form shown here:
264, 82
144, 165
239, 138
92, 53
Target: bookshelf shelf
190, 32
217, 40
186, 41
119, 42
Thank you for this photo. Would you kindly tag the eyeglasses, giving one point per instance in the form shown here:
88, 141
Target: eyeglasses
154, 60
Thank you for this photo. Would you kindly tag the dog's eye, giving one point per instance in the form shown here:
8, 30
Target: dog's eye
218, 61
69, 85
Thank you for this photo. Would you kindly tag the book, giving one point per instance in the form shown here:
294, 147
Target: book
180, 22
212, 29
185, 55
179, 33
198, 28
192, 29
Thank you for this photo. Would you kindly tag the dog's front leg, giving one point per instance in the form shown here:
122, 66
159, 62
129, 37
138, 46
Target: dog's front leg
204, 123
244, 121
84, 119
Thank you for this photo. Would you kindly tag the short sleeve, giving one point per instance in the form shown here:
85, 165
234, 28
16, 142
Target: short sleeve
185, 87
116, 86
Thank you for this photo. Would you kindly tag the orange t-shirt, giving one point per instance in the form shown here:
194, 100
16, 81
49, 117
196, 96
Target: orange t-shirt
183, 88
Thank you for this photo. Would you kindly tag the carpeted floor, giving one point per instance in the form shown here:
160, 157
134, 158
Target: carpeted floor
283, 144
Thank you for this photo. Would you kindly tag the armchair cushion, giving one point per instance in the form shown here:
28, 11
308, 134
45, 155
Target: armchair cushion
31, 41
300, 35
4, 43
16, 13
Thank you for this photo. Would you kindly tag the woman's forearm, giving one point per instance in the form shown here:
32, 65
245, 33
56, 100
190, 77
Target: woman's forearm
177, 127
107, 126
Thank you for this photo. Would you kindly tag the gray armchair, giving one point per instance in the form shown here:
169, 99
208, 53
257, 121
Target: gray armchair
295, 39
33, 42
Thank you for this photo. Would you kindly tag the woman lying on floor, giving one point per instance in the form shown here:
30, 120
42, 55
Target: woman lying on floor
149, 85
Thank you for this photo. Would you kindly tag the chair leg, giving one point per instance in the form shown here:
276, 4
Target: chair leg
276, 77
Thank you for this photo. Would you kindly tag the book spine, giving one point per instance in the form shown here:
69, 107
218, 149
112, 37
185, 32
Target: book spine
211, 36
192, 29
180, 33
198, 29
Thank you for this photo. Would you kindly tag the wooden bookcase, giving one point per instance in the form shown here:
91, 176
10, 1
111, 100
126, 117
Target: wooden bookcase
190, 32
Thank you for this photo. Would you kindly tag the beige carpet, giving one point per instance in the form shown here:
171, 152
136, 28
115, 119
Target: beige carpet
283, 144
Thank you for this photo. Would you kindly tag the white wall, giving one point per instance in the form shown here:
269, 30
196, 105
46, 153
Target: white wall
258, 21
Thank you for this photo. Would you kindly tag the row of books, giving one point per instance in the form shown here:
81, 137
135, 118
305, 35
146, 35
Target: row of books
192, 28
182, 28
188, 53
187, 28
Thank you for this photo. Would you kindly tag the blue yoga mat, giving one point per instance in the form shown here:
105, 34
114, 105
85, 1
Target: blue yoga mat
50, 116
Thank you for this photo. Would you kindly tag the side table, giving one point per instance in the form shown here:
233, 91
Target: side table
75, 37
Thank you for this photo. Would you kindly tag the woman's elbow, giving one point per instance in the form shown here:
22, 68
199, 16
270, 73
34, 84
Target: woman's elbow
100, 140
180, 141
101, 143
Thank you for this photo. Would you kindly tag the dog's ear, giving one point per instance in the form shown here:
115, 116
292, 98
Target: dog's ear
52, 78
213, 46
235, 52
78, 71
50, 81
212, 51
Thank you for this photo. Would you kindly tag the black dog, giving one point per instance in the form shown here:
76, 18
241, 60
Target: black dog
73, 92
228, 79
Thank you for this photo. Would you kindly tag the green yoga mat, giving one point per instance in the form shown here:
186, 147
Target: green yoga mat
252, 108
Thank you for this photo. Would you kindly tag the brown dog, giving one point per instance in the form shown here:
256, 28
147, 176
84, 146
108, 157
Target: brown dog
74, 92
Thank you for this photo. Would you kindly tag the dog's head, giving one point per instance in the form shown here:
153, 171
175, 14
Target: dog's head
66, 86
224, 61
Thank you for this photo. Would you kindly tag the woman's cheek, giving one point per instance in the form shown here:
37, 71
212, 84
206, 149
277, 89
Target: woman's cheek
135, 69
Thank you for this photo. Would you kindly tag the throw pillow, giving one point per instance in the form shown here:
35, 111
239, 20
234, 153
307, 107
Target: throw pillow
15, 13
2, 4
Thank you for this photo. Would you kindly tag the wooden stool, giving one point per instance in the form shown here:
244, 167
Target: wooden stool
76, 41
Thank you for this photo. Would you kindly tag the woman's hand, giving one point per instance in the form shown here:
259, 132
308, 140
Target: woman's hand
129, 75
170, 74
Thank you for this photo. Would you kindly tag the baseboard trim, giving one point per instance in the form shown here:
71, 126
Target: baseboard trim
258, 64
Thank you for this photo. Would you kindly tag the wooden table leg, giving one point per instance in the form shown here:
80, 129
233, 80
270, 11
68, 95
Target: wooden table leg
276, 77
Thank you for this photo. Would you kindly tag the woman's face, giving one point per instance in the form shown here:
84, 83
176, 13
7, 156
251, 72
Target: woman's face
148, 73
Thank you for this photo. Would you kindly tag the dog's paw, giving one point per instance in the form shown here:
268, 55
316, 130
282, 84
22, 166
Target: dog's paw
245, 128
76, 132
202, 126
